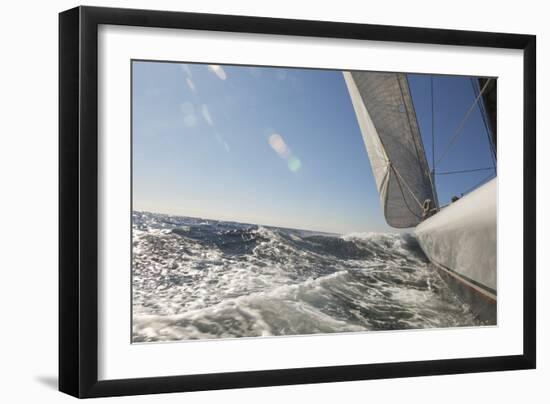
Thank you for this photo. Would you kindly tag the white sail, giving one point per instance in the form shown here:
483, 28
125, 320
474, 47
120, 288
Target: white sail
386, 117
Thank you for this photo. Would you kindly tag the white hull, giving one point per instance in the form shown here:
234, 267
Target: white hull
461, 241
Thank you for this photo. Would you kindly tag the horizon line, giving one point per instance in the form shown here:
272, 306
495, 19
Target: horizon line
263, 224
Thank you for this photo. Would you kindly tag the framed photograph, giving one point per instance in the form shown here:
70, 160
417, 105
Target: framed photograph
251, 201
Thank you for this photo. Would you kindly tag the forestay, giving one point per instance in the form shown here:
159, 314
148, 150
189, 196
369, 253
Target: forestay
386, 117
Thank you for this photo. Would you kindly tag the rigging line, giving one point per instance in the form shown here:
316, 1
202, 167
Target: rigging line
488, 127
403, 194
483, 181
400, 178
465, 171
417, 142
483, 113
418, 154
432, 173
433, 119
482, 110
461, 125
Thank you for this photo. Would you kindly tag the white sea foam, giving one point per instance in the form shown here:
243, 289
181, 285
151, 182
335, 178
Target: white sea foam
205, 279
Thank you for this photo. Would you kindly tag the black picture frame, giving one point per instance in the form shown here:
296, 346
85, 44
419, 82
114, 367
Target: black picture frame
78, 201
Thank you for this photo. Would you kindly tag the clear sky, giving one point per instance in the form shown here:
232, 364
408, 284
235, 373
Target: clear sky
277, 146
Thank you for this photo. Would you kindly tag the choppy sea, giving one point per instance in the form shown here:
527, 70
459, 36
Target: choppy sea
203, 279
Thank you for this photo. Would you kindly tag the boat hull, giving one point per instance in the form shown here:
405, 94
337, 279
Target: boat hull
461, 242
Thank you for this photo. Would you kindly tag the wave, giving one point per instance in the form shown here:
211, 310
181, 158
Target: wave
194, 278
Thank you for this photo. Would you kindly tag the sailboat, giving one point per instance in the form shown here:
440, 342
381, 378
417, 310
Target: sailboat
460, 238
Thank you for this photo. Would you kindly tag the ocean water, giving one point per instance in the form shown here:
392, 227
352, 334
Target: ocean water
204, 279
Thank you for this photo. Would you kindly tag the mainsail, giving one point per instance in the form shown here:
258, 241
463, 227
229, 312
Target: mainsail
386, 117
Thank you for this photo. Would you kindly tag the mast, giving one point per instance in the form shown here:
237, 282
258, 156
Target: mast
490, 105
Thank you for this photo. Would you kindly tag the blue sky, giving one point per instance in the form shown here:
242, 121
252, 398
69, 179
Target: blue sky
278, 146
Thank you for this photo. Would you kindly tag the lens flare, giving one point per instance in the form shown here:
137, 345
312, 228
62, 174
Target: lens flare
191, 85
294, 164
186, 69
206, 115
218, 71
278, 144
189, 116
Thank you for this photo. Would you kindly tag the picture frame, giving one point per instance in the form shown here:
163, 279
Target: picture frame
79, 160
